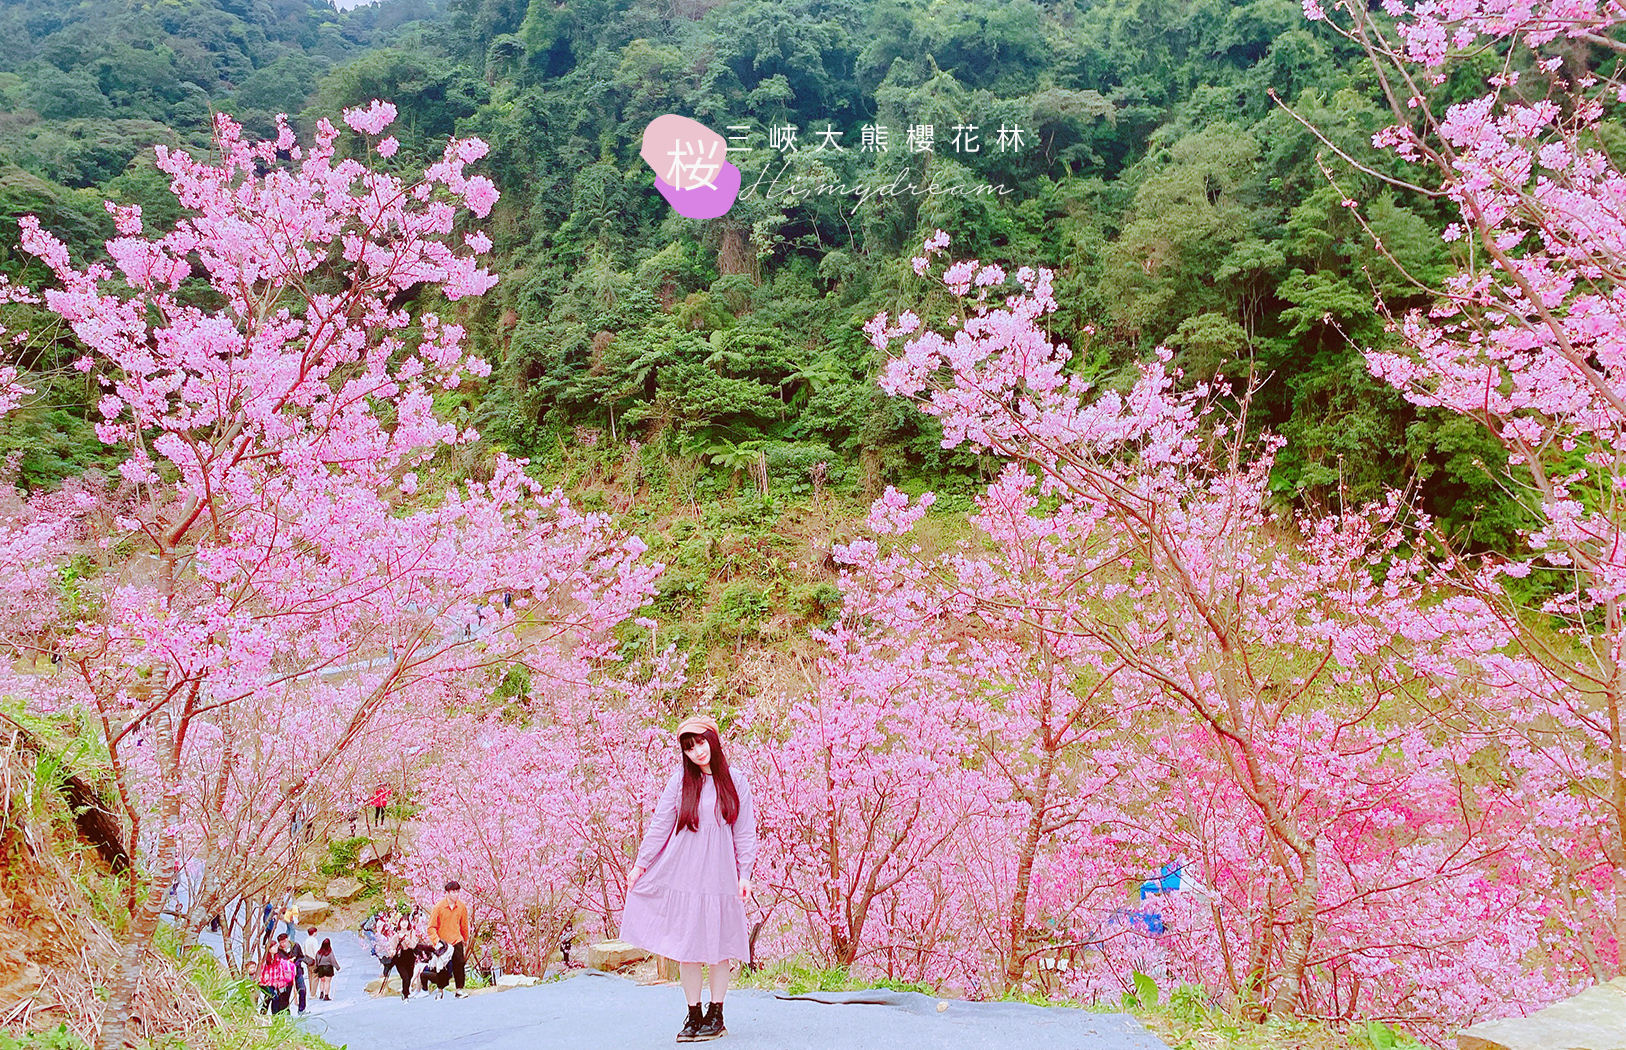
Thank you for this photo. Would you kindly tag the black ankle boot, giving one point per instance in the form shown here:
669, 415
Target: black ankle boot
692, 1025
712, 1026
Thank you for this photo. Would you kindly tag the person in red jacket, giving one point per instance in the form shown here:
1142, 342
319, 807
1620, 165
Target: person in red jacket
449, 923
380, 798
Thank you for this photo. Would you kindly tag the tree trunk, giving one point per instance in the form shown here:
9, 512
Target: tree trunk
1258, 974
1016, 925
1225, 953
115, 1031
857, 914
735, 254
1617, 785
228, 935
1298, 946
832, 855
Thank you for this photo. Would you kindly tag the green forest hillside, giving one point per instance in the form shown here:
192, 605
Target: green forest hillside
1179, 202
1144, 673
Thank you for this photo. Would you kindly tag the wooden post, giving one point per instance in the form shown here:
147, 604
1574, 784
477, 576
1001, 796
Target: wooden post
666, 969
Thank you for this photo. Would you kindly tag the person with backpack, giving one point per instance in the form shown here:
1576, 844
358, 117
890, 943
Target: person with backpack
296, 952
326, 964
383, 942
276, 978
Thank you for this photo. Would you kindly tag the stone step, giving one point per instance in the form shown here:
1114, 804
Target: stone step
1593, 1020
613, 955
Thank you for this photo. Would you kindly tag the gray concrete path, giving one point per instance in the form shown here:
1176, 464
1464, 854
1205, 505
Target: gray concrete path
593, 1009
356, 968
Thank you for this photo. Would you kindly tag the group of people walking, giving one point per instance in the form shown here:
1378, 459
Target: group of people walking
426, 955
423, 955
291, 965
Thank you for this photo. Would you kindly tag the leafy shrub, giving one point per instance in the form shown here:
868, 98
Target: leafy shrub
818, 603
58, 1038
679, 590
798, 464
516, 683
342, 855
737, 612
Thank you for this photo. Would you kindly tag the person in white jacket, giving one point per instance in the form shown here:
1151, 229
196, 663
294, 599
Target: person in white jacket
437, 970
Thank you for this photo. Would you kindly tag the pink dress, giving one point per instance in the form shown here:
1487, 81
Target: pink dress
686, 905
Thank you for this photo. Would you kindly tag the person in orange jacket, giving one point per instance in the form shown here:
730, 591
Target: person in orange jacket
449, 923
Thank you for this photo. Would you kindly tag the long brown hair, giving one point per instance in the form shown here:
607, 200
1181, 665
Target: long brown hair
728, 799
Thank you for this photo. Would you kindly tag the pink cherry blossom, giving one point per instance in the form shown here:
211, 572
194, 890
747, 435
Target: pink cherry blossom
372, 120
1527, 340
278, 589
1168, 679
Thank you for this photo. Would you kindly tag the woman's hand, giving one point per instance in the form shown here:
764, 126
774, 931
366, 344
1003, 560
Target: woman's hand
633, 876
745, 890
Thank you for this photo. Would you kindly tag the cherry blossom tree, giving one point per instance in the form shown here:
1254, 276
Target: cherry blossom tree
253, 814
1021, 689
500, 816
539, 816
1526, 339
862, 792
271, 550
1316, 680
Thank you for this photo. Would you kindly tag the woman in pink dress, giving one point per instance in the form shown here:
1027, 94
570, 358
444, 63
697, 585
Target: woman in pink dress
687, 890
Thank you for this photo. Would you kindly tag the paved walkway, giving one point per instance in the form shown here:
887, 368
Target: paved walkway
591, 1009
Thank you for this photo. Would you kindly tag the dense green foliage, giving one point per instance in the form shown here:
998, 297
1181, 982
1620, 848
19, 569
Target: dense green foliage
1178, 202
88, 88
